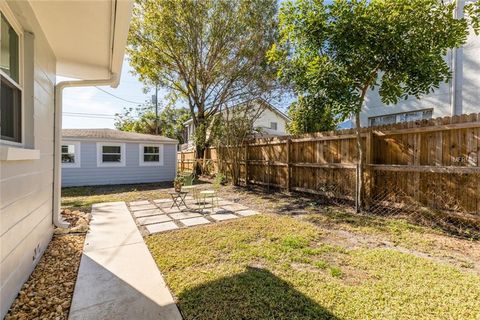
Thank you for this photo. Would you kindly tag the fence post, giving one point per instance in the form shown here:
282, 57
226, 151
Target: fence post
246, 164
288, 164
368, 170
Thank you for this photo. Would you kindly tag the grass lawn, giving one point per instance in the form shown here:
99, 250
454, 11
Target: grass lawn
302, 259
279, 267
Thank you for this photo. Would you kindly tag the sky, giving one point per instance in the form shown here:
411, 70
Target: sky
90, 107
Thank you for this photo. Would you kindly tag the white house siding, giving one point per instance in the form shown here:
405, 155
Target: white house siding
265, 119
467, 87
26, 186
90, 174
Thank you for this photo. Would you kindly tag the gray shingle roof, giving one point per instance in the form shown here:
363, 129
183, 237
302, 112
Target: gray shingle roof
111, 134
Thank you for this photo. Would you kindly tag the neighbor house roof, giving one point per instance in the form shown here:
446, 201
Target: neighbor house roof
115, 135
263, 102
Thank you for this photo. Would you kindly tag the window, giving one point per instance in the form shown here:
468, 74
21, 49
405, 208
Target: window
151, 155
10, 89
401, 117
71, 155
110, 154
273, 125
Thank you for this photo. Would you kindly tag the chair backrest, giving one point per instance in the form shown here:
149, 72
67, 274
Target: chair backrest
188, 178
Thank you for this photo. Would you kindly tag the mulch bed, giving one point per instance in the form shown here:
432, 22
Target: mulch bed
48, 292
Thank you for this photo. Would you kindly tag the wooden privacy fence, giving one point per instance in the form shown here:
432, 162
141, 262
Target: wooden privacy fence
434, 163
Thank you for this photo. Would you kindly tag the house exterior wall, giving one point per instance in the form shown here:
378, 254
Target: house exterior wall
26, 186
459, 96
265, 120
89, 173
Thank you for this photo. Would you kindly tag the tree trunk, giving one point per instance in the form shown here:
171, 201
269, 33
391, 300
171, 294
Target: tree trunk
200, 143
360, 172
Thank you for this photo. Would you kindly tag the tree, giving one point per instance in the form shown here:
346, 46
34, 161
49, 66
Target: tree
231, 129
170, 121
341, 50
210, 53
308, 114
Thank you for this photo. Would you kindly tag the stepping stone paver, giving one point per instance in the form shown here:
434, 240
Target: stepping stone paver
223, 216
172, 210
194, 221
163, 200
235, 207
225, 203
148, 212
154, 219
139, 203
184, 215
160, 227
248, 212
142, 207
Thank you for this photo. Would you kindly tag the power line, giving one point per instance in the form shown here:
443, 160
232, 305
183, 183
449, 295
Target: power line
109, 93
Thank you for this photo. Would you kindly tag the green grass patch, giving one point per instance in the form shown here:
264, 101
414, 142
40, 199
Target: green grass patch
276, 267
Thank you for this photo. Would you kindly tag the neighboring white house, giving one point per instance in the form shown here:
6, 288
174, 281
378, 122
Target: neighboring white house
270, 122
460, 96
107, 156
39, 40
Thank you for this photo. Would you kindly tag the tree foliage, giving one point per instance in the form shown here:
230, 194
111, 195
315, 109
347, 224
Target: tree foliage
142, 120
231, 128
337, 52
208, 53
310, 114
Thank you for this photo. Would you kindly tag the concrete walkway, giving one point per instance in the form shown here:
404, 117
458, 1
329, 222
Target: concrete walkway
118, 278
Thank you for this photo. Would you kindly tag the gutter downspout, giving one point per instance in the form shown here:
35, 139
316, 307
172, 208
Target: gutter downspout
57, 138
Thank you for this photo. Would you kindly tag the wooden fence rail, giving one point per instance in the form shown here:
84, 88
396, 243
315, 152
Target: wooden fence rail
429, 161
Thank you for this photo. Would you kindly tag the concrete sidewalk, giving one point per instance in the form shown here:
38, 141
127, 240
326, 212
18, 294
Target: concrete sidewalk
118, 278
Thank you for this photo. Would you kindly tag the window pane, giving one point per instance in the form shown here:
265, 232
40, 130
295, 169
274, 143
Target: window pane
10, 112
151, 158
68, 148
111, 149
68, 158
111, 158
9, 49
273, 125
150, 149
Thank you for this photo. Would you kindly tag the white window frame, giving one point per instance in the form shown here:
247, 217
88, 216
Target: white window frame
76, 153
141, 154
19, 30
100, 162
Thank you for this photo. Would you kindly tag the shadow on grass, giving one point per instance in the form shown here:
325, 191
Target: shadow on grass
112, 189
253, 294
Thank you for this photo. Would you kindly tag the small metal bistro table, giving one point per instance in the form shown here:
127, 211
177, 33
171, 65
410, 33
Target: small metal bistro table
178, 198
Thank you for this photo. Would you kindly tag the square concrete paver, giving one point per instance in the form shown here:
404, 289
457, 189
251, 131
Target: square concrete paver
160, 227
148, 212
139, 203
142, 207
234, 207
154, 219
248, 212
194, 221
184, 215
223, 216
175, 209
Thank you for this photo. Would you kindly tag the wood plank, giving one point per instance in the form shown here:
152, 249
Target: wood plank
432, 169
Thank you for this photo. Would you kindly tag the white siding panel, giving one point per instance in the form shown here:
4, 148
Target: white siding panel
26, 187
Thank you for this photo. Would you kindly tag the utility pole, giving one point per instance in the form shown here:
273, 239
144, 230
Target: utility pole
156, 109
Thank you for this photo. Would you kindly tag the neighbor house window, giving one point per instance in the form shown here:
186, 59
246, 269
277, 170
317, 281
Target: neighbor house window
273, 125
10, 88
401, 117
111, 154
71, 155
151, 155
